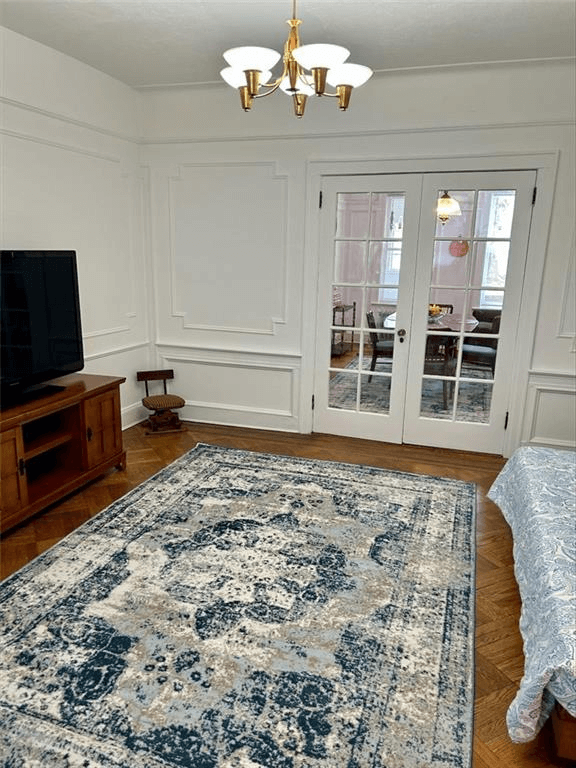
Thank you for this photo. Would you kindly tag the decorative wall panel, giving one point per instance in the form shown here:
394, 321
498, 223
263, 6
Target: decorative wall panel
236, 389
551, 411
228, 247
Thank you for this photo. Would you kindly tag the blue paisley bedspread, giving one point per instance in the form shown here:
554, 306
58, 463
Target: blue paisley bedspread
537, 495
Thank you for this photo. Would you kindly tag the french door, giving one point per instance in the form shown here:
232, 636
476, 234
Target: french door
418, 317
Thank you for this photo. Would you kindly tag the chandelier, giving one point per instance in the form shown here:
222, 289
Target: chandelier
306, 70
447, 207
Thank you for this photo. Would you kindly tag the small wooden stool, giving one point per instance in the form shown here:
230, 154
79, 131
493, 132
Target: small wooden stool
164, 419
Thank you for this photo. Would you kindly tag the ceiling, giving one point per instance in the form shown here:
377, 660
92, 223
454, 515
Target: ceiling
147, 43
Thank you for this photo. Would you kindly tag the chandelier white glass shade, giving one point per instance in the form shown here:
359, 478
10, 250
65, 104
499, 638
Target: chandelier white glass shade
251, 57
447, 207
320, 55
305, 71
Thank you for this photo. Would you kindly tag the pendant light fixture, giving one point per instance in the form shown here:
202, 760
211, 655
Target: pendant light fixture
306, 69
447, 207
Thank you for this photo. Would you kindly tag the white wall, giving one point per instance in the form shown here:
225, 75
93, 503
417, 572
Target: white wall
194, 222
71, 180
234, 192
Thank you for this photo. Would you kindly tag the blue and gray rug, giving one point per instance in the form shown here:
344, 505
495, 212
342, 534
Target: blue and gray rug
241, 610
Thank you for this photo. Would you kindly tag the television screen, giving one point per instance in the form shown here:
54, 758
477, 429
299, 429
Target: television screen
41, 335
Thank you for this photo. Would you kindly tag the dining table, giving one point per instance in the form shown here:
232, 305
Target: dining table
448, 322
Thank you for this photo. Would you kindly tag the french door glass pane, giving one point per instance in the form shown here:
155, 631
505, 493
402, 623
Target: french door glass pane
352, 214
349, 261
346, 303
458, 226
432, 403
473, 402
387, 216
384, 262
494, 213
451, 262
490, 263
342, 390
485, 306
375, 393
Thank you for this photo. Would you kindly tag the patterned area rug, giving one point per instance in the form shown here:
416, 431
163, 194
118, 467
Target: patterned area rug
241, 610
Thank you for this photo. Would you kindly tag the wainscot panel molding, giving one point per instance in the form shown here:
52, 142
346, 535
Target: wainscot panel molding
335, 135
217, 353
228, 225
59, 145
66, 119
239, 390
107, 331
116, 351
550, 411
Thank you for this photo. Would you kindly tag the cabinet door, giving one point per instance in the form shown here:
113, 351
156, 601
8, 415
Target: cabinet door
103, 427
14, 487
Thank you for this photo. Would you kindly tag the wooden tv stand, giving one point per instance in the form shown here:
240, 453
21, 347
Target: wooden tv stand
57, 442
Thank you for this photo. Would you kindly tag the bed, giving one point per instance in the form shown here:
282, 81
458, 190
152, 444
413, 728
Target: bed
537, 495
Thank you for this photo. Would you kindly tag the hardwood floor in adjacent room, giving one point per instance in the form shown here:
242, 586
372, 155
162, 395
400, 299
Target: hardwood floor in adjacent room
499, 659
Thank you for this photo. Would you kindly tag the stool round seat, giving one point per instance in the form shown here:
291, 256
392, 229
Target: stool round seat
163, 402
164, 406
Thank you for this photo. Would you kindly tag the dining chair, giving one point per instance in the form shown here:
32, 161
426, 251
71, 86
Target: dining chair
382, 344
481, 353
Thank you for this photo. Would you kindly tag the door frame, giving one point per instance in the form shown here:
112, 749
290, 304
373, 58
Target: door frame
545, 165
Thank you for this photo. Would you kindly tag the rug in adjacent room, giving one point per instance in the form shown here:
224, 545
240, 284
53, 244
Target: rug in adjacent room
241, 610
474, 397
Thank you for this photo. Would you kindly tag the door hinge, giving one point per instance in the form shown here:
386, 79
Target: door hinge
312, 402
506, 421
534, 193
320, 200
22, 467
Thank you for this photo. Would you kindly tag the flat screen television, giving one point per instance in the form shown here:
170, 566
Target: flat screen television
40, 326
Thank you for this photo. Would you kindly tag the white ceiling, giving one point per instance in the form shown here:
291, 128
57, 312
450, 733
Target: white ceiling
166, 42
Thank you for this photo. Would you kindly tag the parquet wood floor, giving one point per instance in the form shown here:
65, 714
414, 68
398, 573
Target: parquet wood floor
499, 659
